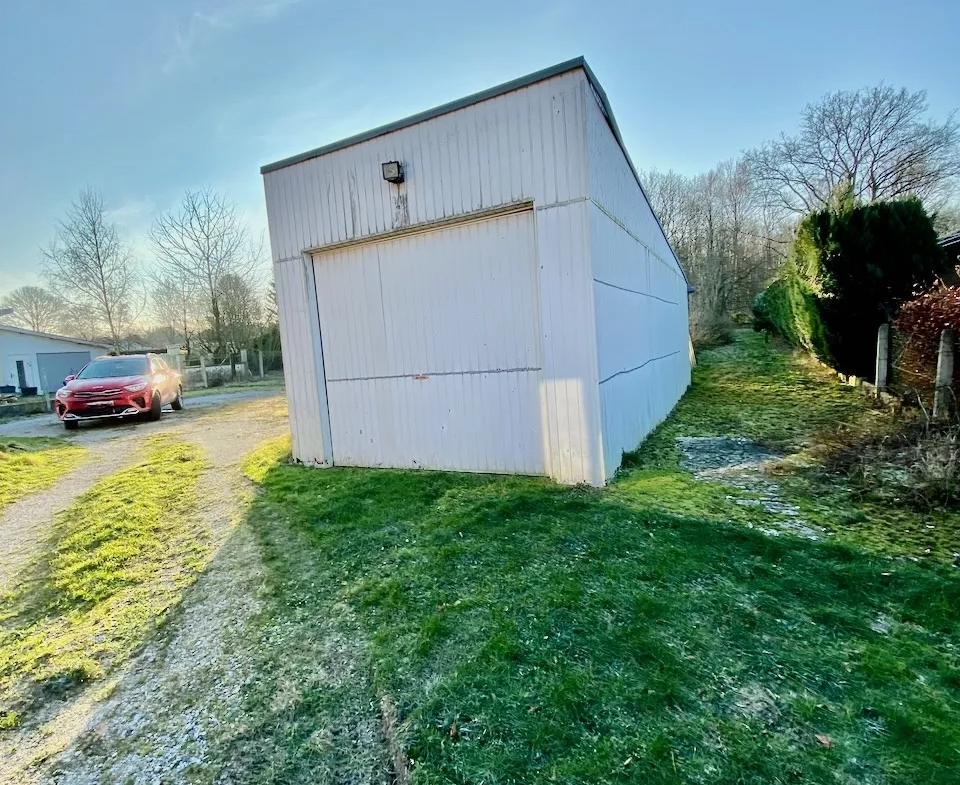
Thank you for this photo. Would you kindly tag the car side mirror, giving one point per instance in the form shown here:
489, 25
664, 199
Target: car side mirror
69, 378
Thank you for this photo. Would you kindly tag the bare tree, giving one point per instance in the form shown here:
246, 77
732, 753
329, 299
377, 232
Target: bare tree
90, 268
875, 141
242, 312
947, 219
203, 241
34, 308
725, 232
176, 306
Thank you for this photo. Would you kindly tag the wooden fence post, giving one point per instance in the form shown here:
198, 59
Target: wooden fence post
881, 378
203, 371
944, 388
260, 354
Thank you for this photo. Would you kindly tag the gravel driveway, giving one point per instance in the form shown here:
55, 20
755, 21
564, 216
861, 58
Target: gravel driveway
49, 425
225, 435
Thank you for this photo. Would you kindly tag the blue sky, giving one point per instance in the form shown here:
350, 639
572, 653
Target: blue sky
145, 99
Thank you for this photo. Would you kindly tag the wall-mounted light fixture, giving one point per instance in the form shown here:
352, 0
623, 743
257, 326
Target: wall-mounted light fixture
392, 171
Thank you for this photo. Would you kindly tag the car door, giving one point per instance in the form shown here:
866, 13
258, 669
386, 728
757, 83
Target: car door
173, 380
161, 379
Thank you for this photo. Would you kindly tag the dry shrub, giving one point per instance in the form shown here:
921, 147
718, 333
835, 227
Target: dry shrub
710, 330
916, 340
918, 464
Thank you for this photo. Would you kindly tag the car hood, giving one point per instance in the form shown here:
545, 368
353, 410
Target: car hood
111, 383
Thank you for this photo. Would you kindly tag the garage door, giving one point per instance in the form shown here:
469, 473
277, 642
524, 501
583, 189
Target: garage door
431, 349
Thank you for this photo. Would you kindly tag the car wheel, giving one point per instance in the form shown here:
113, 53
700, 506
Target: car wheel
177, 403
71, 425
155, 407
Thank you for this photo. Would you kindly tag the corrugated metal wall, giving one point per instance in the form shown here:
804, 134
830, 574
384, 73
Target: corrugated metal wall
640, 301
524, 146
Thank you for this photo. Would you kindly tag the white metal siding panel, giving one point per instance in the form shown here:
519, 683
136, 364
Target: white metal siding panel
640, 301
433, 360
302, 369
536, 133
614, 189
570, 405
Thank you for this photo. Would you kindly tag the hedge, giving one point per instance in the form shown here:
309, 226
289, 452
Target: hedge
847, 272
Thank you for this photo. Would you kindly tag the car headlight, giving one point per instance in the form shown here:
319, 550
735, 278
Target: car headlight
63, 393
135, 387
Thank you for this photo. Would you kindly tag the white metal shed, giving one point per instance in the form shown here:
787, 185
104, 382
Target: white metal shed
506, 302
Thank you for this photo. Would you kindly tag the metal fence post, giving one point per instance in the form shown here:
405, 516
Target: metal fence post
203, 371
260, 356
943, 392
881, 378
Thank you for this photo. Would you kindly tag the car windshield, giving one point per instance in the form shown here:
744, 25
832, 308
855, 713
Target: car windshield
106, 367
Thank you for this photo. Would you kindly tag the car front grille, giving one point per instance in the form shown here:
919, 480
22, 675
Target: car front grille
101, 411
97, 394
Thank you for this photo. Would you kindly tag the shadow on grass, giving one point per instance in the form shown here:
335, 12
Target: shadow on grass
526, 631
117, 560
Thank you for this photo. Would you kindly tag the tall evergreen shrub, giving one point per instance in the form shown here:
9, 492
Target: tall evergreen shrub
849, 268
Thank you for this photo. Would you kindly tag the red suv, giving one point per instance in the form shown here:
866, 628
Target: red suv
119, 386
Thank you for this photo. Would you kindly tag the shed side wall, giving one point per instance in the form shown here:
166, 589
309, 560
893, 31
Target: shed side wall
529, 145
640, 298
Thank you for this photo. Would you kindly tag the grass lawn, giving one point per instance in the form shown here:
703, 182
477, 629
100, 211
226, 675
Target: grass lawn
270, 383
30, 465
508, 630
118, 560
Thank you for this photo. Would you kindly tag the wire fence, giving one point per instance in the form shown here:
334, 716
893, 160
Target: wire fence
236, 367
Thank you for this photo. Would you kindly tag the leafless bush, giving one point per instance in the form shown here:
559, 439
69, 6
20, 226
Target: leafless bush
918, 464
708, 331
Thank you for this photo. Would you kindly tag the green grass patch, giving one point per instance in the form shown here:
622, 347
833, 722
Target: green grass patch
532, 633
118, 560
783, 400
266, 457
527, 632
756, 389
31, 465
228, 387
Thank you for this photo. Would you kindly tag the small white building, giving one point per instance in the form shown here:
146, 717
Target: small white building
480, 287
40, 361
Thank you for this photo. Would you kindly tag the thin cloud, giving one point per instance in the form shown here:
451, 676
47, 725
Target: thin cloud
202, 26
132, 212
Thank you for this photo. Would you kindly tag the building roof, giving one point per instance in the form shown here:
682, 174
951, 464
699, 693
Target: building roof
9, 328
484, 95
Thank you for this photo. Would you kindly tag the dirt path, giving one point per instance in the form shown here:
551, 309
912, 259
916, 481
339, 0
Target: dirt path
79, 740
26, 523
